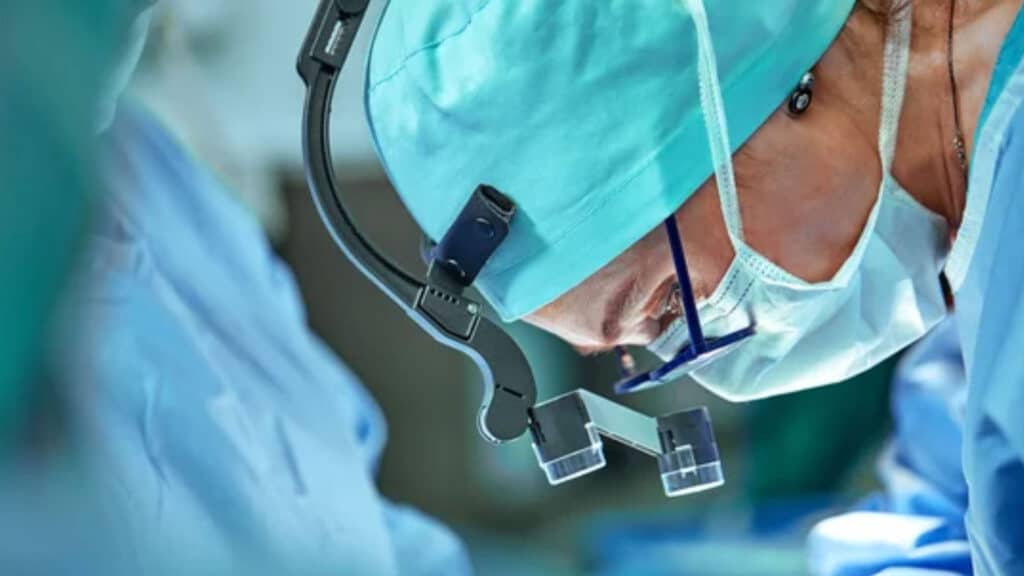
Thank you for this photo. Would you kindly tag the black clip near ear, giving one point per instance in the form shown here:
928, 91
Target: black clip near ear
474, 236
802, 97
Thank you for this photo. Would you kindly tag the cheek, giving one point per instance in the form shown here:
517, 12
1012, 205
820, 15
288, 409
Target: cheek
705, 240
805, 201
578, 316
568, 318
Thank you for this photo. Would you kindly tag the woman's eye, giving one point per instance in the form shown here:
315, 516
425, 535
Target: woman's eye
673, 304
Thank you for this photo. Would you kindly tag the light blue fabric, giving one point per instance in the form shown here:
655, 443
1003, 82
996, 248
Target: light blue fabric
587, 114
920, 475
990, 306
1010, 56
917, 525
229, 438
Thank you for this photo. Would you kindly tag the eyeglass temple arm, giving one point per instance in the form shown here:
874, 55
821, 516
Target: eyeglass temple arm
685, 286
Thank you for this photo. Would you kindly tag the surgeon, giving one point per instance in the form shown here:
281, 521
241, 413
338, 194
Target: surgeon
817, 172
217, 433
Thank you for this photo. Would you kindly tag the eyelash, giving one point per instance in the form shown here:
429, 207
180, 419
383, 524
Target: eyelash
672, 303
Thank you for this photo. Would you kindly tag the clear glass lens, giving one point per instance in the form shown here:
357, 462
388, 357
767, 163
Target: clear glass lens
575, 464
680, 474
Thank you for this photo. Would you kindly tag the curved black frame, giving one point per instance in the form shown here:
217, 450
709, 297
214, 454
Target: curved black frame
436, 304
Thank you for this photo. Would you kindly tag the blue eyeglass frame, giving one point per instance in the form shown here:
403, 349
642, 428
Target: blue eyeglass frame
701, 350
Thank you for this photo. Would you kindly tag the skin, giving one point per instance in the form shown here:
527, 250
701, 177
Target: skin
807, 185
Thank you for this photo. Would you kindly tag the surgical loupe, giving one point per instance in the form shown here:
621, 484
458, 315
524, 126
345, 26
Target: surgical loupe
567, 431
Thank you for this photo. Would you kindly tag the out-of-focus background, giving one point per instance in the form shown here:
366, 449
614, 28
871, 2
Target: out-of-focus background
220, 74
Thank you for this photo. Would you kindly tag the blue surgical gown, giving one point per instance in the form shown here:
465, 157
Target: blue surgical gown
916, 527
227, 437
933, 513
990, 310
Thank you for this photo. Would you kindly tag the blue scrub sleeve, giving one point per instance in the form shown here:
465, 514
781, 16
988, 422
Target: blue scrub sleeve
223, 436
916, 525
993, 300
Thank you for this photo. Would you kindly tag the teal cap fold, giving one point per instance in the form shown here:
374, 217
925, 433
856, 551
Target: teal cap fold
586, 113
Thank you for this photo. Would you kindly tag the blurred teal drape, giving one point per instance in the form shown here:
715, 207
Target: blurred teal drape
55, 57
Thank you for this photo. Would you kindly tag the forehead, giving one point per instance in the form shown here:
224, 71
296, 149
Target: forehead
628, 266
579, 315
704, 238
588, 314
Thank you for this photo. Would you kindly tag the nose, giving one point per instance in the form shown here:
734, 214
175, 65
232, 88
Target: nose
642, 333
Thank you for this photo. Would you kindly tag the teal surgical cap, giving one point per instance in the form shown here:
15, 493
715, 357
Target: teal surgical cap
587, 113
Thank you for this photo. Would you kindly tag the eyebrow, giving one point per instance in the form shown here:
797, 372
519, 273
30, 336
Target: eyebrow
623, 299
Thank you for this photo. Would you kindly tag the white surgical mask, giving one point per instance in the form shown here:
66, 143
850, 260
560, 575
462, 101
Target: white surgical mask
886, 295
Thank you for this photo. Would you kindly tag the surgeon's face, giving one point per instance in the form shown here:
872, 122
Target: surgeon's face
806, 188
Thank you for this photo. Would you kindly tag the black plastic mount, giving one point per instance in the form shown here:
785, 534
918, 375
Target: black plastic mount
559, 428
437, 304
691, 427
476, 233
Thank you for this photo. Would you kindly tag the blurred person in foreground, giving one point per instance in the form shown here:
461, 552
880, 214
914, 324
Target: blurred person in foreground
215, 433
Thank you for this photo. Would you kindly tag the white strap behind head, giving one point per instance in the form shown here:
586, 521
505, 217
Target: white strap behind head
715, 121
894, 83
897, 55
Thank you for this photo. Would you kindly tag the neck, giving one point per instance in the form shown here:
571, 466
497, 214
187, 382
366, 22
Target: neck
927, 163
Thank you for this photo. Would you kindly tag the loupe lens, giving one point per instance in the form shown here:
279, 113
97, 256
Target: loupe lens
574, 464
689, 460
681, 475
565, 439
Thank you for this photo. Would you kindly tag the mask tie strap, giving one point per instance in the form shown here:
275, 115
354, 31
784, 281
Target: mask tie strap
894, 82
700, 350
713, 110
